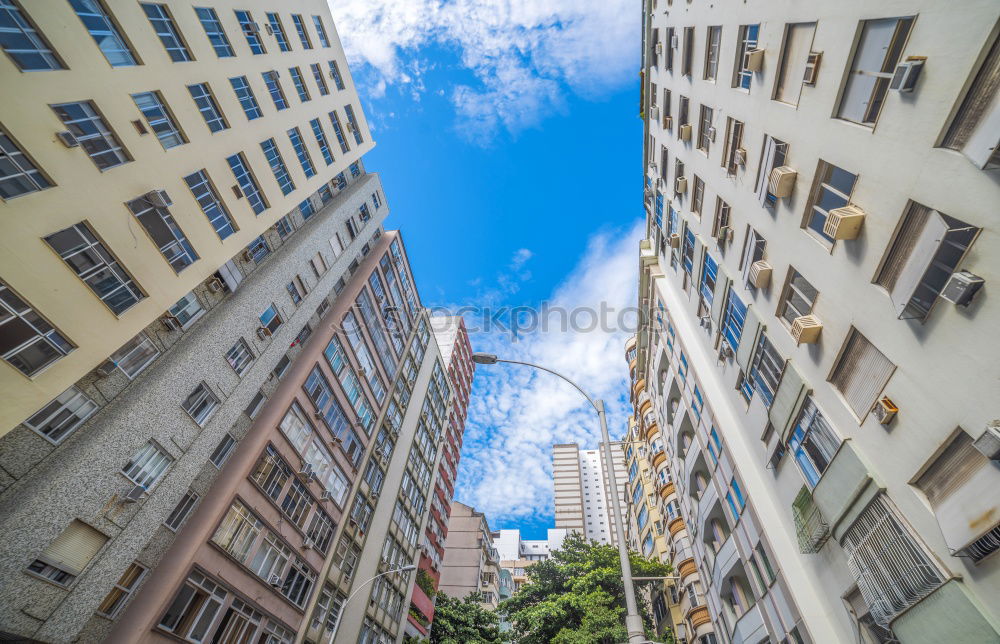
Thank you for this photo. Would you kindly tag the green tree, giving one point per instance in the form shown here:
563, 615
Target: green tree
577, 596
463, 621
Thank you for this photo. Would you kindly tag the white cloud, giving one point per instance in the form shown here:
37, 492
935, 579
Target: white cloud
523, 53
517, 413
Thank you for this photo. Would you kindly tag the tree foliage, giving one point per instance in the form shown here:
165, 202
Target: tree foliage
463, 621
577, 596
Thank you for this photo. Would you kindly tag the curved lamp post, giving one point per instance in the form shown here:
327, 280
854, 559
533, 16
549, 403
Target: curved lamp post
633, 622
343, 609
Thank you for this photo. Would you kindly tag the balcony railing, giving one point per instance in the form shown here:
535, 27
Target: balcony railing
812, 529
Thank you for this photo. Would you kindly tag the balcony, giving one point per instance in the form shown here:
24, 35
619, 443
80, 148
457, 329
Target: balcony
652, 430
658, 457
666, 489
725, 559
699, 615
946, 615
639, 386
750, 627
676, 526
812, 529
845, 489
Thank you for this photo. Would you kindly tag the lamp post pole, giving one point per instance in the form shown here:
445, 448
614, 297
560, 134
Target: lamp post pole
343, 609
633, 622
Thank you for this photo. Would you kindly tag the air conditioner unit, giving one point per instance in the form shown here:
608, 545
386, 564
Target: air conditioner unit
653, 168
781, 181
307, 543
247, 255
157, 198
658, 48
351, 127
760, 273
680, 185
674, 41
307, 472
171, 322
711, 133
214, 285
725, 351
263, 332
740, 156
806, 329
725, 233
812, 67
654, 113
684, 132
68, 139
373, 496
962, 287
906, 75
844, 222
884, 411
276, 581
753, 60
988, 443
268, 29
383, 566
326, 496
318, 415
252, 27
675, 240
668, 122
134, 494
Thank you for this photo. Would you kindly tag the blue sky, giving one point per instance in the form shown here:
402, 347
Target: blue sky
509, 149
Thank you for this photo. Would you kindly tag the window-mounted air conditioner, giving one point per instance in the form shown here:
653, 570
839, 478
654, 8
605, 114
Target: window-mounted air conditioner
680, 185
740, 157
276, 581
318, 415
884, 410
760, 273
675, 240
214, 285
351, 127
961, 287
781, 181
806, 329
263, 332
844, 222
674, 41
988, 443
307, 543
268, 29
252, 27
654, 113
753, 60
710, 132
247, 255
725, 351
307, 472
653, 168
326, 496
658, 48
725, 233
684, 132
812, 67
157, 198
905, 77
67, 138
668, 122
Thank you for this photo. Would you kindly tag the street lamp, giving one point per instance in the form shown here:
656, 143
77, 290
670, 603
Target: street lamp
343, 609
633, 622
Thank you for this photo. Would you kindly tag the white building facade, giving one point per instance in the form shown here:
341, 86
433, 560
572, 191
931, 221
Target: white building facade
821, 185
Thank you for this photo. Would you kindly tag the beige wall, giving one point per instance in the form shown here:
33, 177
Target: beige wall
82, 192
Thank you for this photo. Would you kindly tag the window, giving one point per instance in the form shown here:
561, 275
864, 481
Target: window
709, 274
682, 115
22, 41
712, 53
68, 555
277, 166
92, 263
63, 415
306, 209
734, 146
765, 370
705, 129
687, 56
969, 130
209, 108
166, 235
104, 31
324, 147
195, 608
123, 588
797, 298
247, 182
861, 373
181, 511
721, 219
240, 357
747, 42
92, 133
352, 124
339, 132
282, 366
211, 204
832, 188
137, 354
222, 450
270, 319
278, 31
792, 65
320, 81
18, 173
256, 403
215, 32
878, 50
813, 442
735, 499
293, 291
698, 196
274, 89
338, 80
244, 94
201, 404
300, 151
926, 249
320, 531
687, 251
355, 169
27, 341
321, 31
771, 156
300, 28
147, 465
163, 25
892, 569
187, 310
753, 251
318, 264
251, 31
300, 85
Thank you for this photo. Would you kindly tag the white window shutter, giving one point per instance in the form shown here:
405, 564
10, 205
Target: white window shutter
917, 263
75, 547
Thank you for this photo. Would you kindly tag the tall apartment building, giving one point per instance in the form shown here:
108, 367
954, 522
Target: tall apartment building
452, 337
471, 562
815, 365
583, 490
517, 554
183, 199
327, 489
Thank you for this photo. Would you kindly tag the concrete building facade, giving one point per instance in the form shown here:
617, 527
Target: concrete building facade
471, 562
583, 490
814, 362
517, 554
149, 309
